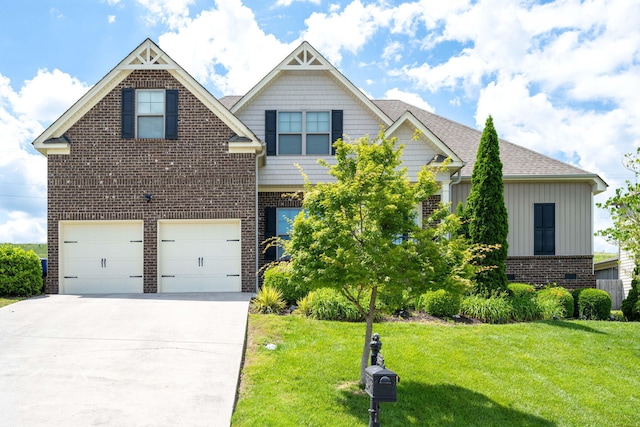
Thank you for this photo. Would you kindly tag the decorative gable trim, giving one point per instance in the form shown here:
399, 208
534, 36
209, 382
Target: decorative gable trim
305, 58
442, 148
147, 56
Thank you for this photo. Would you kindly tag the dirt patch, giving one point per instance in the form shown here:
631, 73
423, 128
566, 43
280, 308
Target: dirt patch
427, 318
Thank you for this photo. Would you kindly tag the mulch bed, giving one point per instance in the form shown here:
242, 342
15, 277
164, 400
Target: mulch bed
427, 318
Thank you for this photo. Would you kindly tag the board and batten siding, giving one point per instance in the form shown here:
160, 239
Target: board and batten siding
304, 91
574, 214
626, 271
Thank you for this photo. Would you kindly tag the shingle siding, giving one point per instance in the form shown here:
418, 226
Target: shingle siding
193, 177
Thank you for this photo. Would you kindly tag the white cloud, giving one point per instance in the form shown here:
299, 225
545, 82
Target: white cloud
48, 95
18, 227
408, 97
286, 3
348, 30
23, 171
213, 48
173, 13
111, 19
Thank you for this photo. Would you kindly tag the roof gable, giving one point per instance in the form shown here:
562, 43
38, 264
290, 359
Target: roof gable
306, 58
147, 56
409, 119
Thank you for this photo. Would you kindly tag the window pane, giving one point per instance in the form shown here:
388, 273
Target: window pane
289, 122
150, 127
317, 144
290, 144
318, 122
150, 102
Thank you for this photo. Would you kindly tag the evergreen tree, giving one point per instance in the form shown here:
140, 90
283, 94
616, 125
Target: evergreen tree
487, 213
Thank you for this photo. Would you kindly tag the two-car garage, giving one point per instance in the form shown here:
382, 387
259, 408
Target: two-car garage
101, 257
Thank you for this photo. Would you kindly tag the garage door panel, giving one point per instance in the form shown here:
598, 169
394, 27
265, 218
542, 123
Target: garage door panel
101, 257
200, 256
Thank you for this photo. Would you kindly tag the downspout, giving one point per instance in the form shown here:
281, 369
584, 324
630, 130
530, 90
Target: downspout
262, 153
456, 182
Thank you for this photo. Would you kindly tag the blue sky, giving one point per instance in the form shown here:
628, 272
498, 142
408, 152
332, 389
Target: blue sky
559, 77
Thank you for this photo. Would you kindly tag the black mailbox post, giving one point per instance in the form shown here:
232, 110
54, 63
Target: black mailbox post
380, 382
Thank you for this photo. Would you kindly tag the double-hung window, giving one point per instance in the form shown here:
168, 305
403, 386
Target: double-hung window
302, 132
149, 113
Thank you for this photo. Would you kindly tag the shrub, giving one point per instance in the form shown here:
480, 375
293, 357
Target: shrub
439, 303
278, 276
521, 290
617, 316
491, 310
20, 272
576, 296
562, 296
631, 304
304, 305
551, 308
268, 300
594, 304
525, 305
329, 304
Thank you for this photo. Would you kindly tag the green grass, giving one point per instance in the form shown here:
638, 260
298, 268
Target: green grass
603, 256
39, 248
9, 300
556, 373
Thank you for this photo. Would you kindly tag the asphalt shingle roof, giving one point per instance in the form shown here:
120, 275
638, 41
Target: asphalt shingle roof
517, 161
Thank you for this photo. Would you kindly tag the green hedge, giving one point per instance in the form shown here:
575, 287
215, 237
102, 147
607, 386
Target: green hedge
594, 304
329, 304
439, 303
20, 272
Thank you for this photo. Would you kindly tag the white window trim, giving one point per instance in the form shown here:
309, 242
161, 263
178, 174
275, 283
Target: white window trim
303, 132
163, 115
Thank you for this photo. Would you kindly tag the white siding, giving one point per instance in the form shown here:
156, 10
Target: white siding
304, 91
416, 153
574, 214
626, 271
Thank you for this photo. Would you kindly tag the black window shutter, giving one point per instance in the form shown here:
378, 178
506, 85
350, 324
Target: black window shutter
270, 119
336, 128
270, 231
128, 122
171, 115
544, 218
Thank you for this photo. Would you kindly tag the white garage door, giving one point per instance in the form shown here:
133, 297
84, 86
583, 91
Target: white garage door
98, 257
199, 256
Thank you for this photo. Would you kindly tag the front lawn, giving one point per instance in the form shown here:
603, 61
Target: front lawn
547, 373
9, 300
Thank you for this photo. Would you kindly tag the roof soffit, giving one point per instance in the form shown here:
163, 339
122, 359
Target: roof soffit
147, 56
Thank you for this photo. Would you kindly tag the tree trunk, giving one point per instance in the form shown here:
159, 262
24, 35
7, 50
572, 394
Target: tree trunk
364, 362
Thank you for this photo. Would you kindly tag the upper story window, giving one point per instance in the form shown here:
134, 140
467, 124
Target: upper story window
544, 229
302, 132
149, 113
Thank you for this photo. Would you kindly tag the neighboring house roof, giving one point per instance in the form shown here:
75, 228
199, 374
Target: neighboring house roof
147, 56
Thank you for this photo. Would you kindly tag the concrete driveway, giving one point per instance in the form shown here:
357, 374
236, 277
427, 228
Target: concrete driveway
121, 360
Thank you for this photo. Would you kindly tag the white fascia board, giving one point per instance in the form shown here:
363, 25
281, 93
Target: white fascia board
597, 184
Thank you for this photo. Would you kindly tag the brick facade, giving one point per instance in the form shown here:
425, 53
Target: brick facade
194, 177
543, 270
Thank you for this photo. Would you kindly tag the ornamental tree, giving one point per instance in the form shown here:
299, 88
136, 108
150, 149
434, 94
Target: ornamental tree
487, 215
624, 208
359, 235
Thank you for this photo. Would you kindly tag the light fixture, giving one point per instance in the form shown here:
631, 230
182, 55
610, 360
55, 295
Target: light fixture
148, 196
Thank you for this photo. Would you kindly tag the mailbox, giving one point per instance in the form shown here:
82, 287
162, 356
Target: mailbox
381, 383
